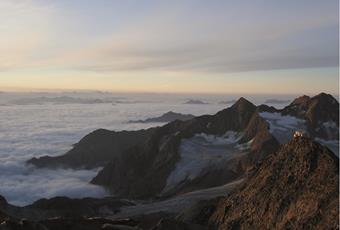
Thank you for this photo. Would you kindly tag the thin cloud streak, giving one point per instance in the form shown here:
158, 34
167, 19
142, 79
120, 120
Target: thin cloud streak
190, 38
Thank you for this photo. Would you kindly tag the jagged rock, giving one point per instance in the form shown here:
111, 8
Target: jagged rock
321, 113
295, 188
266, 108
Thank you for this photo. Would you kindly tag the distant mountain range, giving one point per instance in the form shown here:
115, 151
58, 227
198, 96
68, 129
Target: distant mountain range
72, 100
195, 102
280, 183
59, 100
166, 117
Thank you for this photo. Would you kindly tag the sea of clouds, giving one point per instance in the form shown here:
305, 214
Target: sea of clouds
41, 127
34, 130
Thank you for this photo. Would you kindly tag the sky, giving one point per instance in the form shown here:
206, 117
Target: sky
178, 46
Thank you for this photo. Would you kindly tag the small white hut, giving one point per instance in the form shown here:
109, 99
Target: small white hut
298, 134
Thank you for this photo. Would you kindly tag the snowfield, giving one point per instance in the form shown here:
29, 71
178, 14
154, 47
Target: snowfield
201, 153
283, 127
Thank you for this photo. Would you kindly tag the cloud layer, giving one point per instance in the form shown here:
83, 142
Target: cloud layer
51, 129
219, 36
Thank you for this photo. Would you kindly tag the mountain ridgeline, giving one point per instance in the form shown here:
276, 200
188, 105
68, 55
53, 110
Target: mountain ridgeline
142, 170
137, 164
295, 188
94, 150
281, 182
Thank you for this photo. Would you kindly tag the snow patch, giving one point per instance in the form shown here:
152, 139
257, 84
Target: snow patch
283, 127
330, 124
201, 153
229, 137
244, 146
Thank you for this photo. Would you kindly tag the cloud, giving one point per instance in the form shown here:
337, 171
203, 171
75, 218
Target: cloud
191, 36
28, 131
174, 40
21, 184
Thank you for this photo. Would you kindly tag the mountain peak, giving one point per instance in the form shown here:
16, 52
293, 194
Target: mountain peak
242, 104
301, 100
323, 94
325, 98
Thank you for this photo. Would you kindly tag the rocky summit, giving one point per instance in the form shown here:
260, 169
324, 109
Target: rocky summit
321, 113
295, 188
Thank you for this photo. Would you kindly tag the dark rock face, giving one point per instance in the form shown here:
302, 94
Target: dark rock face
266, 108
321, 112
69, 224
167, 117
141, 172
75, 208
172, 224
295, 188
95, 149
200, 212
62, 213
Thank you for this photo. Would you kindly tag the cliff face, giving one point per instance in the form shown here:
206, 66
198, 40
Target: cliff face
295, 188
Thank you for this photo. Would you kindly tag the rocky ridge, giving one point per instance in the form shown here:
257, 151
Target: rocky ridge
295, 188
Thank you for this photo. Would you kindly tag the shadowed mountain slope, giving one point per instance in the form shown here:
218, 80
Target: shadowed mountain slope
142, 171
94, 150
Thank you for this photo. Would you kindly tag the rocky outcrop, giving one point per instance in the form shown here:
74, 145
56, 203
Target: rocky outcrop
75, 208
66, 208
142, 171
321, 113
166, 117
58, 223
295, 188
266, 108
65, 213
94, 150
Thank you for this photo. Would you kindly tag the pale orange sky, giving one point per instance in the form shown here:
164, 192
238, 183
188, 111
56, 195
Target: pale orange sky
297, 81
